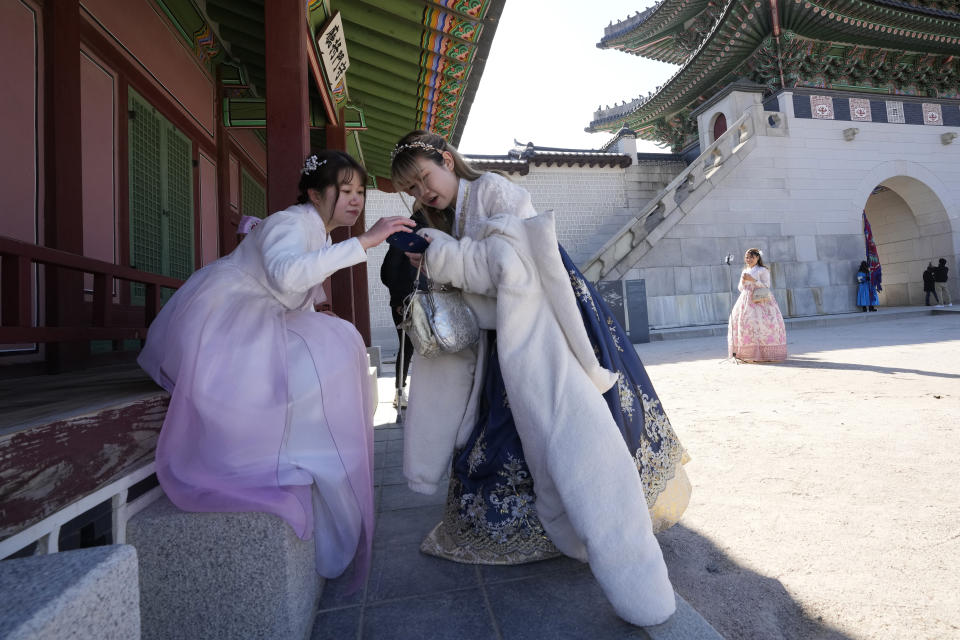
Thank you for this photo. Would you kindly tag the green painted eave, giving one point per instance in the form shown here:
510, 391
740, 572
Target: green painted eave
742, 41
635, 33
416, 63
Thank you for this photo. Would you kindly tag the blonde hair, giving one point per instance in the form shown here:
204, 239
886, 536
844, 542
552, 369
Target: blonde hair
404, 169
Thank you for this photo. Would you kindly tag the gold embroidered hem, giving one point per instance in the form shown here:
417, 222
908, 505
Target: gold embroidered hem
473, 540
444, 543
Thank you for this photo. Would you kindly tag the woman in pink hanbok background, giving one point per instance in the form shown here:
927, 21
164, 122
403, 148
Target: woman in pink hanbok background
755, 332
269, 401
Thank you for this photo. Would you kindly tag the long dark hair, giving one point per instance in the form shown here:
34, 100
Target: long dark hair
756, 252
863, 267
329, 168
404, 169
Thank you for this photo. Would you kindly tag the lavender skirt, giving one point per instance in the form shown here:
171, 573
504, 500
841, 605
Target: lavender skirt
270, 410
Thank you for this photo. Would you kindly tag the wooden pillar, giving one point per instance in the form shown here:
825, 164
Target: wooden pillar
226, 230
341, 283
63, 176
288, 100
349, 291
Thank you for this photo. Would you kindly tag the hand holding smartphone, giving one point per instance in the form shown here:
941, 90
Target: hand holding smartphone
408, 241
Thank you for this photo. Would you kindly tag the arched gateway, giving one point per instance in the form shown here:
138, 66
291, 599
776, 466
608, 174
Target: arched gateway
911, 228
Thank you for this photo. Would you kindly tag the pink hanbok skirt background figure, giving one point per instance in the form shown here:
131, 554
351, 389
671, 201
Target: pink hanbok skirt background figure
755, 331
270, 410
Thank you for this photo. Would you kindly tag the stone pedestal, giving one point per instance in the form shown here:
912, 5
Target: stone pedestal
222, 575
88, 593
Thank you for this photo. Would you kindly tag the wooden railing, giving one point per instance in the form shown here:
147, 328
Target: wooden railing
17, 289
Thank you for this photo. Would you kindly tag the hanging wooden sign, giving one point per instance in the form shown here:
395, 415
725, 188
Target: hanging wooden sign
333, 50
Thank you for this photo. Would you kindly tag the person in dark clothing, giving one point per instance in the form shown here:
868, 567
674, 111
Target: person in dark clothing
928, 284
940, 282
399, 276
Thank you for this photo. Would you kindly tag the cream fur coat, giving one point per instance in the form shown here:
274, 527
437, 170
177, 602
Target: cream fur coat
589, 495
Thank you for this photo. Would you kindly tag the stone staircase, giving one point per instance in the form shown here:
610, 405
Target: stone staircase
661, 212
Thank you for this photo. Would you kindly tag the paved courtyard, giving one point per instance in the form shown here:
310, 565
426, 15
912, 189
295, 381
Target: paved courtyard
826, 499
825, 505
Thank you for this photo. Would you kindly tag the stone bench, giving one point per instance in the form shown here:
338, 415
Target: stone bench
222, 575
84, 594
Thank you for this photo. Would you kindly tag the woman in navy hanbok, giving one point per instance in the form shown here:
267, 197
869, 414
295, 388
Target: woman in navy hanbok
557, 438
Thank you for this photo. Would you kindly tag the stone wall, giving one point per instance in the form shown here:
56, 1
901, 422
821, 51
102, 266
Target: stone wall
799, 197
590, 204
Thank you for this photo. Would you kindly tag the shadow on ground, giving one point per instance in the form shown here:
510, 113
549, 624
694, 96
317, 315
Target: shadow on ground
851, 334
737, 602
409, 595
814, 363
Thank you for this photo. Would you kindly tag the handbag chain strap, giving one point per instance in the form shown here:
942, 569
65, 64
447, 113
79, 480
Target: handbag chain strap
461, 224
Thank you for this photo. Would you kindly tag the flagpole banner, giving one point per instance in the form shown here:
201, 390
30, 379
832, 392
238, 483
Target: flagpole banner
873, 258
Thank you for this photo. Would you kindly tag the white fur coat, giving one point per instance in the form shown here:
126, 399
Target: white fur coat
589, 495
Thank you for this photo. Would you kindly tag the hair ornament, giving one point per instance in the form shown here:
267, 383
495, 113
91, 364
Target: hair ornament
311, 164
414, 145
760, 253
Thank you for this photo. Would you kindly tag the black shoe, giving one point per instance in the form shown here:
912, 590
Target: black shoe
873, 308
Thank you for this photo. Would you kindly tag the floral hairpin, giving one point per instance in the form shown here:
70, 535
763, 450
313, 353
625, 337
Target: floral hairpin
311, 164
414, 145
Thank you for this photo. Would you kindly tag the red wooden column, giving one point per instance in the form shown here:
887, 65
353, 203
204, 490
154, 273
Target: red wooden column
288, 100
341, 282
226, 230
63, 175
349, 286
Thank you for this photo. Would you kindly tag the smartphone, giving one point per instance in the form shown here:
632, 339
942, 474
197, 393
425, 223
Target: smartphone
408, 241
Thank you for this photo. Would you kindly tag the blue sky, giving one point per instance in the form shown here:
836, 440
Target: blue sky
545, 76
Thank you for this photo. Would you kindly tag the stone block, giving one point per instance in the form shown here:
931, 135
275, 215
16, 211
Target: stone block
839, 298
701, 251
805, 248
685, 623
762, 229
698, 309
805, 274
660, 280
804, 301
781, 248
724, 278
666, 253
701, 279
895, 295
222, 575
682, 280
840, 247
843, 272
82, 594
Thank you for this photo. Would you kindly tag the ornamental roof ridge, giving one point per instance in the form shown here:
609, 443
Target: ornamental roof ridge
514, 161
631, 22
636, 104
662, 25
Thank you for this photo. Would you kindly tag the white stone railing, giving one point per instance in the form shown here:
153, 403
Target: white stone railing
637, 237
47, 531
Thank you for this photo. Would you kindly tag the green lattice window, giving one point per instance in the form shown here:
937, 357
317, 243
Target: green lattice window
161, 195
253, 197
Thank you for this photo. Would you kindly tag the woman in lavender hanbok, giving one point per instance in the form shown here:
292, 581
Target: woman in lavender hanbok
755, 332
270, 408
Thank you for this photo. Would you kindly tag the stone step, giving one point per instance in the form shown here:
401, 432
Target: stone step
87, 594
222, 575
685, 624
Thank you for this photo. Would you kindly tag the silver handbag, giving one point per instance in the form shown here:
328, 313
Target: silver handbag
438, 320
